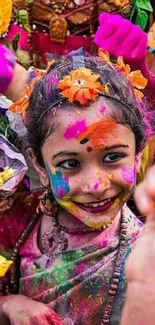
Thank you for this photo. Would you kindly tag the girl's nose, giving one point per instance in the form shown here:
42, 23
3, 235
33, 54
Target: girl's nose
95, 186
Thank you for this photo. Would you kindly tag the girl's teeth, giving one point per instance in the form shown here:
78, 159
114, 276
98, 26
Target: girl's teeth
95, 205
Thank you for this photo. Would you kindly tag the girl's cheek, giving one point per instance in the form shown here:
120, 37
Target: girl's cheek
129, 175
59, 183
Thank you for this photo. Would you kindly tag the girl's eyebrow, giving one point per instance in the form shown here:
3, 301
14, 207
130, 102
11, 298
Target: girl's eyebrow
64, 153
72, 153
116, 146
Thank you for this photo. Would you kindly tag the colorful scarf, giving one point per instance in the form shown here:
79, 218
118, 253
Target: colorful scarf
75, 283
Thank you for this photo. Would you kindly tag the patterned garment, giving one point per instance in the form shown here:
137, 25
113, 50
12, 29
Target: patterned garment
75, 283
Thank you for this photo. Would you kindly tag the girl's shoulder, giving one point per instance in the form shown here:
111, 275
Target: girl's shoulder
14, 221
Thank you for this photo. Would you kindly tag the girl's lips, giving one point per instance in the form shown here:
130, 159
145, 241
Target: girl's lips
98, 207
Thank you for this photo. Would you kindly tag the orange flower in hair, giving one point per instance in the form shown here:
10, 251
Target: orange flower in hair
21, 105
104, 55
136, 78
80, 85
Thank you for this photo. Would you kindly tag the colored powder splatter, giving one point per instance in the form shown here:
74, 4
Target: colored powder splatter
89, 149
98, 132
110, 176
96, 186
53, 79
80, 268
102, 109
129, 175
73, 131
116, 203
59, 183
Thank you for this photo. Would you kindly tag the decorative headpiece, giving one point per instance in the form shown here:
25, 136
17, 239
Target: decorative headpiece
82, 85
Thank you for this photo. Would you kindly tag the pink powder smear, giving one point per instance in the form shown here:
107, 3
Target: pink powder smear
129, 175
96, 186
73, 131
102, 109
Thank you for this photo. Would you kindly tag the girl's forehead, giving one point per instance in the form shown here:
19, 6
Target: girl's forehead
88, 125
94, 113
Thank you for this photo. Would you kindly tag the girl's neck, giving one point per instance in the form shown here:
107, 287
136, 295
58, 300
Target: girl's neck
72, 224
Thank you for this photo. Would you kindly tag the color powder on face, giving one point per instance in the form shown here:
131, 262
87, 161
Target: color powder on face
73, 131
60, 184
110, 176
96, 186
98, 133
102, 109
78, 112
129, 174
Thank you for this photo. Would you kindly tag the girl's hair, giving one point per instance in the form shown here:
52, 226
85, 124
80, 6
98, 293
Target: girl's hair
121, 101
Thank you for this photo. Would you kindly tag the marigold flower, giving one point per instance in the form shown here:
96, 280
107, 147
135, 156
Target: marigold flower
104, 55
21, 105
80, 85
136, 78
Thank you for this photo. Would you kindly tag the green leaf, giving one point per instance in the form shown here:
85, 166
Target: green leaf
145, 5
15, 42
134, 2
141, 18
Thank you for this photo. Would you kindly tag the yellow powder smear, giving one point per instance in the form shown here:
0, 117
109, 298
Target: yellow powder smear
110, 176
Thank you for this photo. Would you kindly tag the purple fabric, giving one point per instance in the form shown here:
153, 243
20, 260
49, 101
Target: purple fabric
7, 63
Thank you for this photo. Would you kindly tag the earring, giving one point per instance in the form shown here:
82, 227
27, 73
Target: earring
47, 204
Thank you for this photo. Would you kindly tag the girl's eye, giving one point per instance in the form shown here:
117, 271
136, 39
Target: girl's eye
113, 157
69, 164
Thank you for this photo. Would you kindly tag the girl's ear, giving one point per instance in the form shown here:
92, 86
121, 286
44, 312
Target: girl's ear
39, 169
138, 161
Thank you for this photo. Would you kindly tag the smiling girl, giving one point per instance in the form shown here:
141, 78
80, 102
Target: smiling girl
86, 136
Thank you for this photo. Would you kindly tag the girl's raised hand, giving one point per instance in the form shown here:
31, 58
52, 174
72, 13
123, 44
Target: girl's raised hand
140, 269
20, 310
120, 37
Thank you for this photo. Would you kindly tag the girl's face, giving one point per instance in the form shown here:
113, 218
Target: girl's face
91, 164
